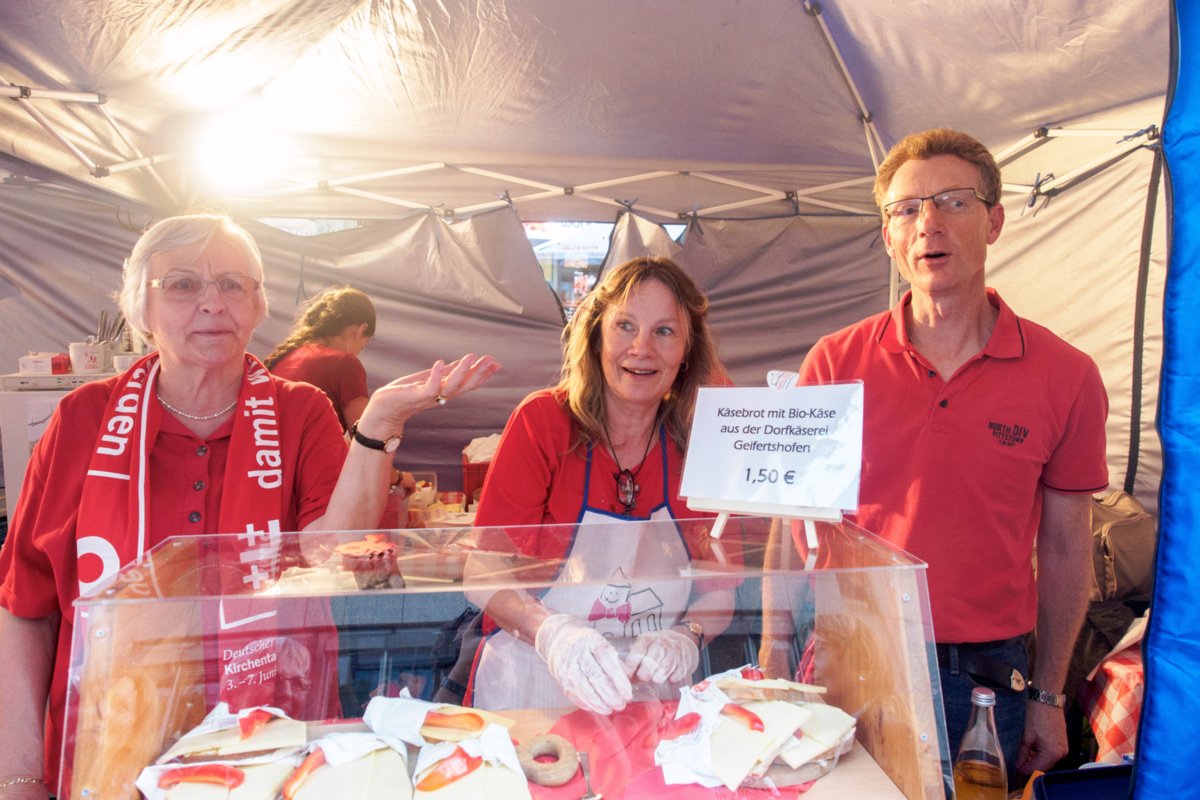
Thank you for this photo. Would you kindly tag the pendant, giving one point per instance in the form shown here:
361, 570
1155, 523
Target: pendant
627, 490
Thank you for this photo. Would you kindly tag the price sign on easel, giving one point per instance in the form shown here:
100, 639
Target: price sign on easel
777, 452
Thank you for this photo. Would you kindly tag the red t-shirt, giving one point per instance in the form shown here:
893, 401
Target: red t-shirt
538, 473
39, 567
953, 469
338, 374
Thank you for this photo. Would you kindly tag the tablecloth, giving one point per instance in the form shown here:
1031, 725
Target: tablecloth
1112, 700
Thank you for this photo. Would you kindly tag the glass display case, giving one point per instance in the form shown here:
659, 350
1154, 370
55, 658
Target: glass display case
316, 625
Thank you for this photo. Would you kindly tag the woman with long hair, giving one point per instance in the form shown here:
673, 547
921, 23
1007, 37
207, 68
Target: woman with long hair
606, 446
323, 347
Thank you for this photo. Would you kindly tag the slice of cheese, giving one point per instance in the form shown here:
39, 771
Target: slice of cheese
781, 720
379, 775
263, 782
801, 751
736, 749
276, 734
492, 782
828, 724
434, 733
827, 727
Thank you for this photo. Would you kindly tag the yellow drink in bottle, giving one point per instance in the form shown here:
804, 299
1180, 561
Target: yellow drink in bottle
978, 780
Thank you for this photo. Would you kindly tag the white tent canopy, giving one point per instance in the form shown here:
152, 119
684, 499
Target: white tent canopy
445, 124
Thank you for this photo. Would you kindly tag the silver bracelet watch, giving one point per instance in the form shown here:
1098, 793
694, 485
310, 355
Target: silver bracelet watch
1046, 698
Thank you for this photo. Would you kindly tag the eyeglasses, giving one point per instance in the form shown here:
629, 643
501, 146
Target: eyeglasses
951, 201
184, 288
297, 683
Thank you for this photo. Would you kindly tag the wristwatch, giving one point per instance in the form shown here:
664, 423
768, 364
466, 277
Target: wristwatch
1048, 698
388, 445
695, 629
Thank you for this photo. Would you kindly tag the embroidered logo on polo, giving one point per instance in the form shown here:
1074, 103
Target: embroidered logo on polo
1008, 435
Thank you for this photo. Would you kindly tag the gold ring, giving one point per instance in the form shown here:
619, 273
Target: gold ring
441, 401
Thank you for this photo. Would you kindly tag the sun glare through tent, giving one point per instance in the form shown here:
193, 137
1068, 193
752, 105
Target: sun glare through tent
240, 151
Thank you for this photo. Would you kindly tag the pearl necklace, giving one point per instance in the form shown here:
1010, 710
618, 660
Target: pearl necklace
197, 417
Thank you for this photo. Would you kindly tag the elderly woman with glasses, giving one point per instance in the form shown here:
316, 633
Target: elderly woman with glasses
196, 438
606, 445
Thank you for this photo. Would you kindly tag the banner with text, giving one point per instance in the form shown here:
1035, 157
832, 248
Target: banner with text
777, 447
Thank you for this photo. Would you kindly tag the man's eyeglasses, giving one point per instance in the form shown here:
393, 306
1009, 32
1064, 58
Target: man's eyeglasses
951, 201
190, 287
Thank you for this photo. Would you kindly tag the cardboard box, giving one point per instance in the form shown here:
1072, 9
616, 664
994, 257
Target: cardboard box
44, 364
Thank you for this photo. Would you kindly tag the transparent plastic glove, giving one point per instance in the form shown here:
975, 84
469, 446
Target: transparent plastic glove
662, 657
585, 665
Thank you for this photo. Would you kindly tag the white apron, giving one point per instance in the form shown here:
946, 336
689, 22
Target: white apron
510, 673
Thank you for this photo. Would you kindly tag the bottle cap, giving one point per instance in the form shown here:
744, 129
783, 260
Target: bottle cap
982, 696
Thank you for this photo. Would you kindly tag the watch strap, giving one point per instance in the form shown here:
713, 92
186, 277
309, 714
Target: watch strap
1046, 698
382, 445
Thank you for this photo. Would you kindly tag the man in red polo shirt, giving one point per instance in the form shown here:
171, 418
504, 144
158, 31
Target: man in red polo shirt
983, 432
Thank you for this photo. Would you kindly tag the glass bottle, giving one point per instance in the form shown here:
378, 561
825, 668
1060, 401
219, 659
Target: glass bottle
979, 772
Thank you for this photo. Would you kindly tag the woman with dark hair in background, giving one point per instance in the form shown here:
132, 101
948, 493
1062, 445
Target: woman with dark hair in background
323, 347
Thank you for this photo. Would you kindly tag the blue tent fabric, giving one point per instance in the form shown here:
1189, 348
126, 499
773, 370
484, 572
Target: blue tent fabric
1170, 723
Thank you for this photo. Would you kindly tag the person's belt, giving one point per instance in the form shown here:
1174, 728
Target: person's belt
971, 660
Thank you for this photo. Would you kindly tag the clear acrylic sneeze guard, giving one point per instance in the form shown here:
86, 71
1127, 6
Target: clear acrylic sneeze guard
326, 627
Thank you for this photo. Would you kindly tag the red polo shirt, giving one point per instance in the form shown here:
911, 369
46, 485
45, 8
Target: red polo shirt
954, 466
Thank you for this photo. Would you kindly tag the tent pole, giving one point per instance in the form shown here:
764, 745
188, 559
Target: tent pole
147, 162
29, 93
1035, 138
304, 186
874, 143
1115, 154
645, 176
394, 201
1091, 133
1139, 326
40, 118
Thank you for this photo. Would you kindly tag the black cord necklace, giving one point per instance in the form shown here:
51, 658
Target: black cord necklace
627, 487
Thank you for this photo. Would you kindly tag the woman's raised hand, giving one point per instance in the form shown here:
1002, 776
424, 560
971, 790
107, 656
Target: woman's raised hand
391, 405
